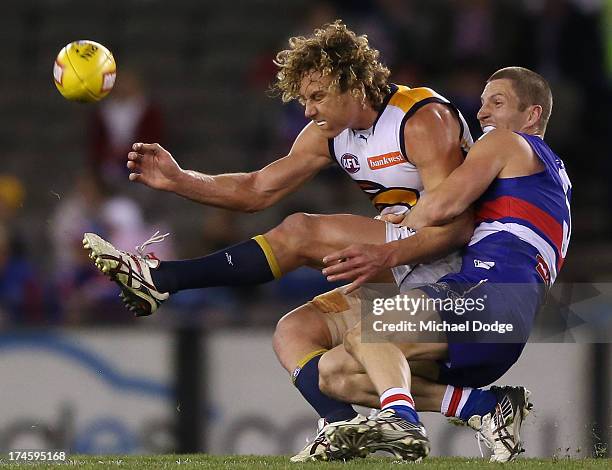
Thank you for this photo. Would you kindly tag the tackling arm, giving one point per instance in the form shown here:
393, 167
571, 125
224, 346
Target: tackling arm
433, 145
465, 184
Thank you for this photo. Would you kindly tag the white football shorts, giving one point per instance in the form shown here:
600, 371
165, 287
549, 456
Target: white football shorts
408, 277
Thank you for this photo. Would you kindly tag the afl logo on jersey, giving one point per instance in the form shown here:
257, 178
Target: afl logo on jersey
350, 163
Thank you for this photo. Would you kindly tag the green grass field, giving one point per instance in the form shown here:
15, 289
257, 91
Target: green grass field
205, 462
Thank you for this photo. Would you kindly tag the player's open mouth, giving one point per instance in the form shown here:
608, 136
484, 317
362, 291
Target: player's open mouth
320, 123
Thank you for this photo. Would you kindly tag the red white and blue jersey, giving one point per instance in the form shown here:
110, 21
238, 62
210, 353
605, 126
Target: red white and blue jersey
523, 224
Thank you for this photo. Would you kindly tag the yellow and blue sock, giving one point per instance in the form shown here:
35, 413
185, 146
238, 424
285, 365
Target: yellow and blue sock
247, 263
306, 379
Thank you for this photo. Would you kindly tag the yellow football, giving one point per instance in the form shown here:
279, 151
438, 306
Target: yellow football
84, 71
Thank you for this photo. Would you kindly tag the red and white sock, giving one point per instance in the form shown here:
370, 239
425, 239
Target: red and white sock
396, 397
454, 400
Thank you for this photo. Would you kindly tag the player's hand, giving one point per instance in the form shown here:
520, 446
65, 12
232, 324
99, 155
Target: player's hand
392, 218
359, 263
409, 221
154, 166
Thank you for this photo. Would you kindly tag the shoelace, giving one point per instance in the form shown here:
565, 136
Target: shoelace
155, 238
320, 437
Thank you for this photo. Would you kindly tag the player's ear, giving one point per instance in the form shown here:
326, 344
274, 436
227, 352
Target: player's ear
535, 113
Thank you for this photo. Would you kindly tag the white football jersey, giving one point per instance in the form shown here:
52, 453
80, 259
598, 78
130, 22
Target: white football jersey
376, 157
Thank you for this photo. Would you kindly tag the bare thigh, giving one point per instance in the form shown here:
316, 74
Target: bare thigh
305, 239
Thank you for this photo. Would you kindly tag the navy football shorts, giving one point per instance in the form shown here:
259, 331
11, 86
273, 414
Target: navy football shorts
478, 358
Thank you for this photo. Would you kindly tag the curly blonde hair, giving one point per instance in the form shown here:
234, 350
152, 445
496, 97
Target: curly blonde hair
335, 51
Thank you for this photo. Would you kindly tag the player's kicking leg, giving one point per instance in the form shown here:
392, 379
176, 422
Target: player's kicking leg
131, 271
300, 240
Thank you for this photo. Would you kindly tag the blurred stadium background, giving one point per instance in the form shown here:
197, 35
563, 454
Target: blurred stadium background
78, 372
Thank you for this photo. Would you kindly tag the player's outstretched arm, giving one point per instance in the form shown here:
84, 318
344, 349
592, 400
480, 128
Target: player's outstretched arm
152, 165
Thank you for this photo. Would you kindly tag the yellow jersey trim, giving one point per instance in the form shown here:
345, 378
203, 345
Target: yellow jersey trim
405, 97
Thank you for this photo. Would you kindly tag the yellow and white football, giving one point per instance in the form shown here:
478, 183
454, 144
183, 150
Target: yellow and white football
84, 71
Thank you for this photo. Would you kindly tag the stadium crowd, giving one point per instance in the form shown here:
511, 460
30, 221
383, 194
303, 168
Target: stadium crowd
45, 277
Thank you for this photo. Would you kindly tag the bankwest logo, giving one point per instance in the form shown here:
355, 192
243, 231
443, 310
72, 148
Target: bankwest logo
383, 161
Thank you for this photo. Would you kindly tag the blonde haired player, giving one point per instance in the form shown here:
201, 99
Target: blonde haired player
394, 141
